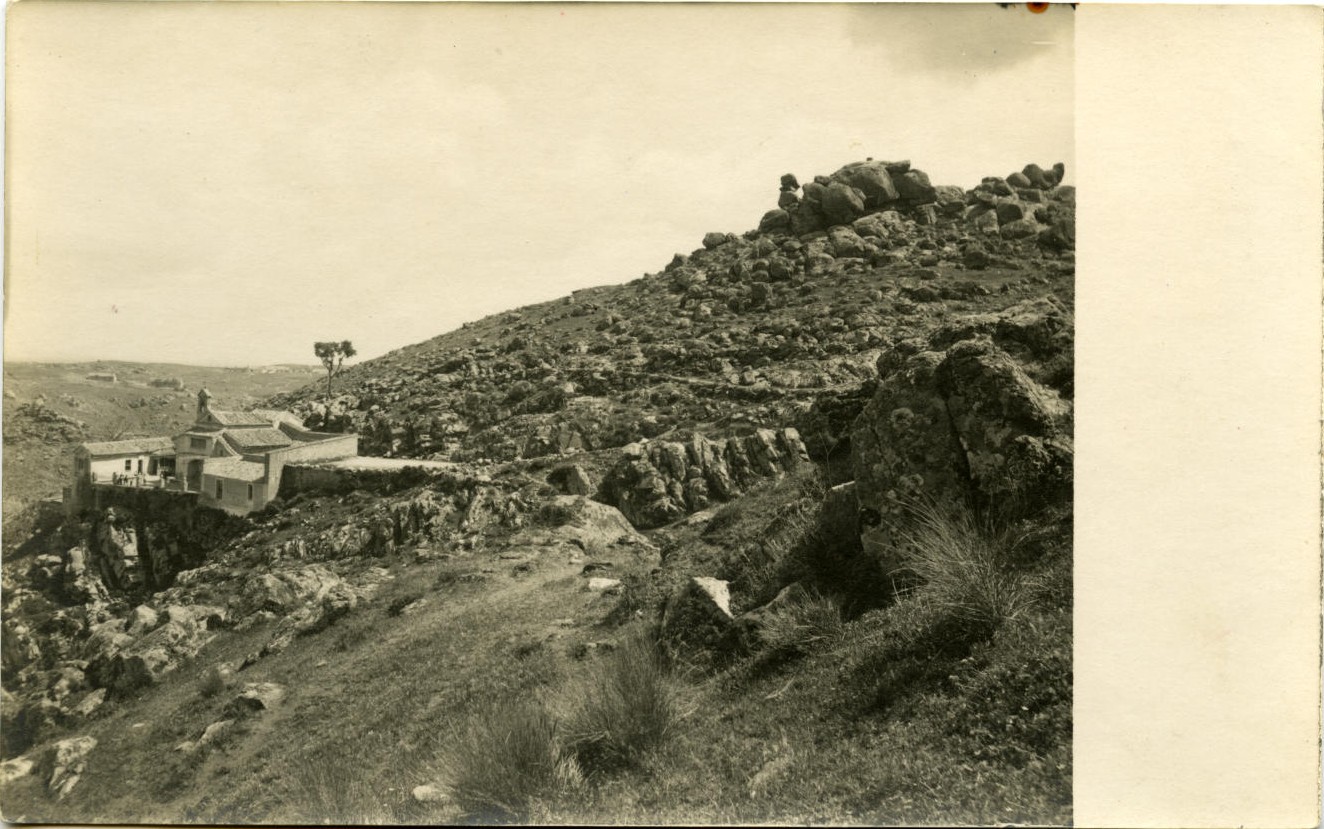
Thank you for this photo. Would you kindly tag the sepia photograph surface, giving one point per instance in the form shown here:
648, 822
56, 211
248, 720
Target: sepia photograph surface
556, 413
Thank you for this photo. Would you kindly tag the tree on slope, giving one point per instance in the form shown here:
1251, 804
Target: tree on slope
332, 355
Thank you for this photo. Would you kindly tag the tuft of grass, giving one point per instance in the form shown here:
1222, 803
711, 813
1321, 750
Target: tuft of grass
802, 627
507, 759
964, 569
628, 706
215, 679
330, 788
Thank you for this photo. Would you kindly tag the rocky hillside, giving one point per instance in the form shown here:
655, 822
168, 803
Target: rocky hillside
748, 330
778, 533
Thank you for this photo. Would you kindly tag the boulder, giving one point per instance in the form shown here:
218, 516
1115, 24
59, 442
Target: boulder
987, 222
1009, 210
284, 591
774, 220
913, 186
1037, 177
63, 764
715, 240
871, 179
846, 242
598, 584
879, 225
949, 199
787, 199
141, 620
975, 258
698, 618
1019, 229
572, 480
254, 699
789, 182
842, 204
589, 525
807, 218
1019, 180
18, 767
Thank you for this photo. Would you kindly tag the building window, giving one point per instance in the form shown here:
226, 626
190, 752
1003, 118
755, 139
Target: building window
250, 492
218, 490
128, 464
197, 443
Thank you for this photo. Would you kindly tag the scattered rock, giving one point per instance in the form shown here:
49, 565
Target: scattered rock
256, 698
63, 764
430, 794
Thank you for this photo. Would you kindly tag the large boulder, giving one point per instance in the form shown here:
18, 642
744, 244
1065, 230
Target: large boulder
949, 199
956, 424
873, 181
774, 220
914, 187
842, 204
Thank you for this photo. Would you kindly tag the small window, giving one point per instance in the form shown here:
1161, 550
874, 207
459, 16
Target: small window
219, 490
250, 492
197, 443
128, 464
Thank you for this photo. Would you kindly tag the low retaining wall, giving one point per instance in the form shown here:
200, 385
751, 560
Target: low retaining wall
335, 480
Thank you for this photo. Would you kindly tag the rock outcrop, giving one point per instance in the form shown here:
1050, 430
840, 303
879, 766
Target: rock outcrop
957, 419
660, 481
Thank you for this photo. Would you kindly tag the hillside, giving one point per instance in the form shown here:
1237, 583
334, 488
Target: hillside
781, 532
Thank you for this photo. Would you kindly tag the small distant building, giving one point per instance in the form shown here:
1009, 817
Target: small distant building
232, 460
103, 377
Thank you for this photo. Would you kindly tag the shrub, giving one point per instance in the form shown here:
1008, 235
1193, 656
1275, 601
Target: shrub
628, 706
506, 759
963, 569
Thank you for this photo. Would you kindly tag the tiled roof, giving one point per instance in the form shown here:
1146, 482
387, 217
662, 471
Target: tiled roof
239, 418
242, 439
135, 446
277, 416
234, 469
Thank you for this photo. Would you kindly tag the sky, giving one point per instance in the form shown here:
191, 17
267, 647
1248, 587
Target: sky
225, 184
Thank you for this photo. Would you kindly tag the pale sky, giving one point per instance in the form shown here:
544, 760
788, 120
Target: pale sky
225, 184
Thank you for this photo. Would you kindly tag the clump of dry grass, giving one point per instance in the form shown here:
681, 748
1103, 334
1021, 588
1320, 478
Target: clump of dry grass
963, 569
814, 623
628, 705
508, 757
